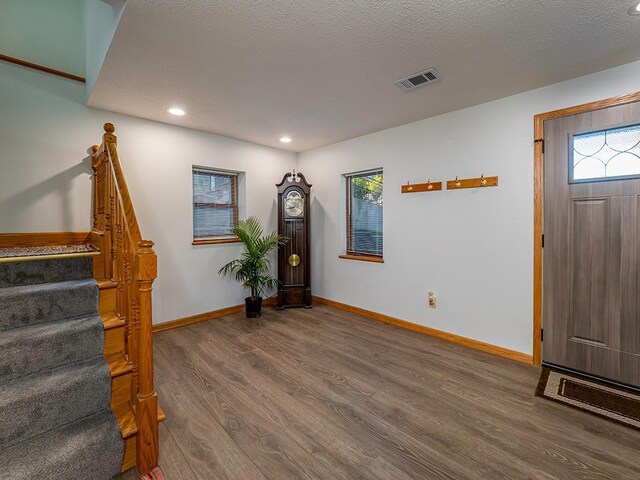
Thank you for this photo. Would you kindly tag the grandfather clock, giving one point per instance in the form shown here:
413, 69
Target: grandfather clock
294, 257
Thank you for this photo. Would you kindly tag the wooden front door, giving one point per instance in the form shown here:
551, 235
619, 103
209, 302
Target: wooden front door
591, 257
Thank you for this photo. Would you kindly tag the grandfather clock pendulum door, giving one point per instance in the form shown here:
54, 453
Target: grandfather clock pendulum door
294, 257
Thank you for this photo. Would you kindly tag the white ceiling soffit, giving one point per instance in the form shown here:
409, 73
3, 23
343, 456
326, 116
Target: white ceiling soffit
322, 71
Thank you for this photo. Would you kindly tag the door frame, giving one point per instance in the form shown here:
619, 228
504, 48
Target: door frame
538, 200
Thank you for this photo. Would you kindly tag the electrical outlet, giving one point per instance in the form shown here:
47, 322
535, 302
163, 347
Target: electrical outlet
432, 300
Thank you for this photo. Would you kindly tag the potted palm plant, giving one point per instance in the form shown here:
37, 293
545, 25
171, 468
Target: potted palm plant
253, 268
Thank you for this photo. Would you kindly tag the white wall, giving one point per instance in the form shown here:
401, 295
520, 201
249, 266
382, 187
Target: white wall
49, 33
100, 22
474, 248
45, 185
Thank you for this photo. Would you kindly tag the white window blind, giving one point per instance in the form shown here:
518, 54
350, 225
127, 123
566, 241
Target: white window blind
215, 203
364, 213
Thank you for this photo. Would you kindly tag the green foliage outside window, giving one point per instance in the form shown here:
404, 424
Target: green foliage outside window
368, 188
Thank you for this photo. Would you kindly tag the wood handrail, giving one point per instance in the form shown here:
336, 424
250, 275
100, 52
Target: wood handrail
42, 68
110, 141
130, 263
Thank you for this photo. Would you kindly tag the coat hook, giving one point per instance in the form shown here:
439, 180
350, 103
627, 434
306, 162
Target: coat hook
409, 187
458, 183
483, 181
429, 186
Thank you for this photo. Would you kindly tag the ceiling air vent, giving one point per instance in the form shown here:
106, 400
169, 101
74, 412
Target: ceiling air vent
417, 79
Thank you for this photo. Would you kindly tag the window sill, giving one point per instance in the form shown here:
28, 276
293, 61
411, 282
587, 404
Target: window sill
362, 258
214, 241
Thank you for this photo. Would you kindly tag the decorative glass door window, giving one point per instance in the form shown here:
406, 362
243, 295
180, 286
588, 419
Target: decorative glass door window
611, 154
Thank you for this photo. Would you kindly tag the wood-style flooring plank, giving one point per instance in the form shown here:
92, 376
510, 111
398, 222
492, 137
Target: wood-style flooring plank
173, 462
398, 388
324, 393
486, 377
395, 409
205, 445
461, 385
303, 424
274, 451
384, 437
402, 424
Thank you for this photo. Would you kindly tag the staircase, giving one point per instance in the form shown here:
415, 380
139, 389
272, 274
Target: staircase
77, 395
55, 383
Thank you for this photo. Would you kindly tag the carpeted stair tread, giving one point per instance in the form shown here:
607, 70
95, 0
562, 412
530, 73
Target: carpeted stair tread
46, 250
31, 349
45, 271
47, 302
91, 448
46, 400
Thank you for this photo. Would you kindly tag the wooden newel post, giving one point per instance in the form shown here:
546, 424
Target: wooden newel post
147, 400
108, 136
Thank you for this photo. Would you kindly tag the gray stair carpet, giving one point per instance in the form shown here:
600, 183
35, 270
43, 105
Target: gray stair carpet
14, 274
47, 302
40, 347
55, 384
52, 398
91, 448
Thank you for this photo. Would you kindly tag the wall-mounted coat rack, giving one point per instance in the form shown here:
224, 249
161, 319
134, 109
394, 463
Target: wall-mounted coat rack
422, 187
479, 182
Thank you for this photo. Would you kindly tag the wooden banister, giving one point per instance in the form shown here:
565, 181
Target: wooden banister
111, 142
42, 68
131, 263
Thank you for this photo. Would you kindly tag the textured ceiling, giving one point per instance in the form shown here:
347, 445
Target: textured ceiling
322, 71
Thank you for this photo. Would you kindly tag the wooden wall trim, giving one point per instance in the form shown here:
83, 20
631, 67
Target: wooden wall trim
203, 317
585, 107
538, 200
362, 258
43, 239
42, 68
216, 241
432, 332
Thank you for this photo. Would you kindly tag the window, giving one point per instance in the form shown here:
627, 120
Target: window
606, 154
215, 205
364, 215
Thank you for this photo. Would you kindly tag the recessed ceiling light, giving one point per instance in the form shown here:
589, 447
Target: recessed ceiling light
285, 140
176, 111
634, 10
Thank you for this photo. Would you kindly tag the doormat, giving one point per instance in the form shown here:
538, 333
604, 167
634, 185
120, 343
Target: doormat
155, 474
613, 404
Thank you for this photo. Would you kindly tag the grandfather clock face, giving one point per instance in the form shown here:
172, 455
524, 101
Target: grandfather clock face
293, 257
294, 205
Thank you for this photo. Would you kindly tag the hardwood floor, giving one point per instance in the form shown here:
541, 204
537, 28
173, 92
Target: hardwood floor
325, 394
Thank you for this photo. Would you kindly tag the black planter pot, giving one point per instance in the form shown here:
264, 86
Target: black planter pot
253, 307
